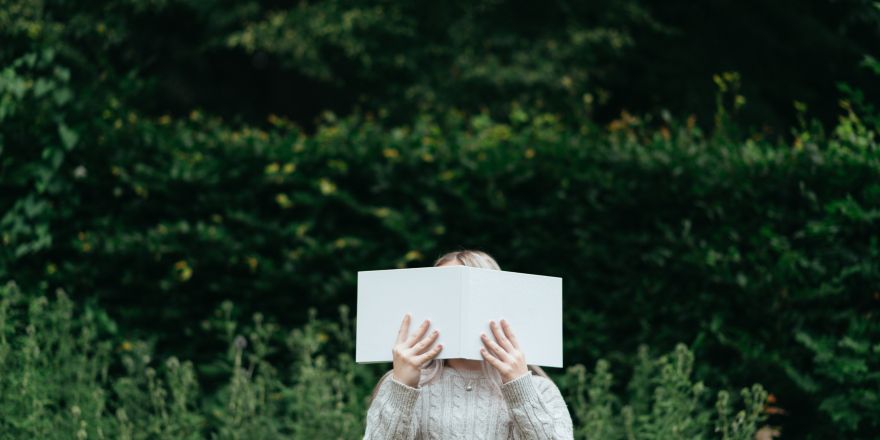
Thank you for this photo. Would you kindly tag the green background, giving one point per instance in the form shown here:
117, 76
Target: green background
701, 173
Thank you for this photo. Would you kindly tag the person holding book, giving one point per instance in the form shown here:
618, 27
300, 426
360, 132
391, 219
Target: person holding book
500, 397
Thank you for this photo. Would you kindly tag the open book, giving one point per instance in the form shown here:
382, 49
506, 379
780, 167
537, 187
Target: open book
459, 301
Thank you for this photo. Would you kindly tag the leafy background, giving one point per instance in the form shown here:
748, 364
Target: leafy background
697, 173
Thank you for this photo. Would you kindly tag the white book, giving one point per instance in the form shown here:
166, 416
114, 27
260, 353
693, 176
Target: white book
459, 301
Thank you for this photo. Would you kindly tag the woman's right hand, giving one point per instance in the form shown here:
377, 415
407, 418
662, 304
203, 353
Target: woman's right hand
411, 353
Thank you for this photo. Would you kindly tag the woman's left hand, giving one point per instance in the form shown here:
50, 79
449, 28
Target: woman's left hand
505, 354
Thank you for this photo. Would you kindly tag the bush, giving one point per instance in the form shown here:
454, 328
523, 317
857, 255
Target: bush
61, 376
748, 249
664, 402
755, 251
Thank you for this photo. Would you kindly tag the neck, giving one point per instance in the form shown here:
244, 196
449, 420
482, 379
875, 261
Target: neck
464, 364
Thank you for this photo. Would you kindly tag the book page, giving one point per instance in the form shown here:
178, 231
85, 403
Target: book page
532, 304
384, 296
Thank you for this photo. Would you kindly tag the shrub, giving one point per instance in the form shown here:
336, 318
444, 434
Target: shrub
755, 251
61, 376
663, 403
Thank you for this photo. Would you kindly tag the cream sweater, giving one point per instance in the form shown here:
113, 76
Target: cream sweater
529, 407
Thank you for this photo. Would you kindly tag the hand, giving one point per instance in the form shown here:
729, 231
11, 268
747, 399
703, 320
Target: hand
504, 355
410, 354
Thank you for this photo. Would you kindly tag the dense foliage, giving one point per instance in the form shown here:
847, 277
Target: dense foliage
246, 59
58, 382
758, 251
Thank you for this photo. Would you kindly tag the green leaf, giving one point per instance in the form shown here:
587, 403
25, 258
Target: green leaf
68, 137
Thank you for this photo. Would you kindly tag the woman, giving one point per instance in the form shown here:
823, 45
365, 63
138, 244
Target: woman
499, 397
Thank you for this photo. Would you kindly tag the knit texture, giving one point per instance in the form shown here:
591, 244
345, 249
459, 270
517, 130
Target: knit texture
529, 407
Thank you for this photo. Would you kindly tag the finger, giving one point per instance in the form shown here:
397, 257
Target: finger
425, 343
418, 334
500, 337
430, 354
509, 332
495, 349
492, 360
404, 329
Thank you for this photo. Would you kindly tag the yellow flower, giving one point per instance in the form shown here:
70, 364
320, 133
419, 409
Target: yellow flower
301, 230
125, 346
326, 186
283, 201
530, 153
390, 153
184, 272
412, 255
252, 262
164, 120
289, 168
566, 82
719, 82
272, 168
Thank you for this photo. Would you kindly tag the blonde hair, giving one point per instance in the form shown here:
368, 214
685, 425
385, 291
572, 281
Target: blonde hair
471, 258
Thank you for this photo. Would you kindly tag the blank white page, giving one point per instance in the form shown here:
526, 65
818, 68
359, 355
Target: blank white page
460, 301
532, 304
384, 296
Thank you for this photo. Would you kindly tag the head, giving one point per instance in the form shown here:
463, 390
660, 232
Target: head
434, 368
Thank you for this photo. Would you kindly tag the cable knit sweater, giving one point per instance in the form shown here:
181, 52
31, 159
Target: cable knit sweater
529, 407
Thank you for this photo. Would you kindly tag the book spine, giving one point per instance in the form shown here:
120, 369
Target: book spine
463, 303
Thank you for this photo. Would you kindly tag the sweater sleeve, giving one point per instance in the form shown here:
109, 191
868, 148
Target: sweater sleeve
390, 415
537, 408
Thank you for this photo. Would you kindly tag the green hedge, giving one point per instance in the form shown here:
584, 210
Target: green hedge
761, 256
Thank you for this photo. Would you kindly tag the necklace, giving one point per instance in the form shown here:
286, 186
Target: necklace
470, 375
